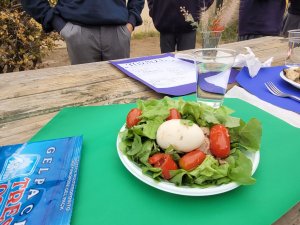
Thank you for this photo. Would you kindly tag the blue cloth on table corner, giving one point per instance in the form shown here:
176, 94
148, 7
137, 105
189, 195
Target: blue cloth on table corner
256, 86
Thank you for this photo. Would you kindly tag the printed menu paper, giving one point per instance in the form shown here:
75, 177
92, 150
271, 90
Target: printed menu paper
163, 73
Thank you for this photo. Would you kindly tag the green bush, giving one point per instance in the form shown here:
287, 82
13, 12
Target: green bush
22, 43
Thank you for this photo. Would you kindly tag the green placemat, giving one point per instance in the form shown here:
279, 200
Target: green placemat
108, 194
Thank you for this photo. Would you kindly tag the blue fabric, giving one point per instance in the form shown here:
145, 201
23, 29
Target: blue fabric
257, 87
168, 18
88, 12
262, 17
58, 23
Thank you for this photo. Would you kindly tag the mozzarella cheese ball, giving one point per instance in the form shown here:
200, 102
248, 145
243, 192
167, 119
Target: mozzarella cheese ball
181, 134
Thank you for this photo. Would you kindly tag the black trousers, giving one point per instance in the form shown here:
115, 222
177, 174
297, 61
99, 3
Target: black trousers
171, 42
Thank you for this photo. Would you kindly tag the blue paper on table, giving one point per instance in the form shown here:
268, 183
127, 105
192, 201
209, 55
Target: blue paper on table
38, 180
157, 67
209, 86
256, 86
233, 75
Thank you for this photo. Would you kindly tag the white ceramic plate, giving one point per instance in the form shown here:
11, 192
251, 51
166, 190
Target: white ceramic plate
295, 84
181, 190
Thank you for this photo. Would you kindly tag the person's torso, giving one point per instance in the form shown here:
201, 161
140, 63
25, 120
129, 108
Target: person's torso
93, 12
261, 17
168, 17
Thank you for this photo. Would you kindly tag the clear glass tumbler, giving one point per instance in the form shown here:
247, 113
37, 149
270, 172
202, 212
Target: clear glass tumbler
293, 53
210, 39
213, 66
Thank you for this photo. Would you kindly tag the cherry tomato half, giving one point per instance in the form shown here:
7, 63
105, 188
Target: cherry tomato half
165, 162
192, 159
155, 158
174, 114
133, 117
219, 141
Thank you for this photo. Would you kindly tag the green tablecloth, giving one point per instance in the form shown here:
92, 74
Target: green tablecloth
108, 194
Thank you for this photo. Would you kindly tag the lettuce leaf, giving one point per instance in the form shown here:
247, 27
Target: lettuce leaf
240, 168
247, 136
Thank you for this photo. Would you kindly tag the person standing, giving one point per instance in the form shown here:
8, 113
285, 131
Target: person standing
94, 30
293, 17
258, 18
175, 32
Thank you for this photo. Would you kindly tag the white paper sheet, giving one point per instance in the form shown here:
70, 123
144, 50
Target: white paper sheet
286, 115
163, 72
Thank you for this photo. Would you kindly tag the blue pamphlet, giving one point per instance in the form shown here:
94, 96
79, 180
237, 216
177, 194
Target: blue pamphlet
38, 181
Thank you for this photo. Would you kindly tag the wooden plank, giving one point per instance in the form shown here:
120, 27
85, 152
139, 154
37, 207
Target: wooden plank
21, 130
52, 101
45, 80
292, 217
273, 47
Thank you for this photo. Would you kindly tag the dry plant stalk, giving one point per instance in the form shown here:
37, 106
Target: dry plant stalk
214, 20
188, 17
228, 12
205, 17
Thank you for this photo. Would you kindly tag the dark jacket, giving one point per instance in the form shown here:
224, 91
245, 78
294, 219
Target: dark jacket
261, 17
294, 7
84, 12
168, 18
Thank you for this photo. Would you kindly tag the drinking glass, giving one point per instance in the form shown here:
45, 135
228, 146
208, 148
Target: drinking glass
213, 66
293, 55
210, 39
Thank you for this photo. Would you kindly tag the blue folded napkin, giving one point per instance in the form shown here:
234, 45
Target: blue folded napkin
257, 87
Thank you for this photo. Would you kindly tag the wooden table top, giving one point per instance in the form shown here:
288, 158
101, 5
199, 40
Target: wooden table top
29, 99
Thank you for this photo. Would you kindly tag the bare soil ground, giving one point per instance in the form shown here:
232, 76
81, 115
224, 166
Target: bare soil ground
139, 47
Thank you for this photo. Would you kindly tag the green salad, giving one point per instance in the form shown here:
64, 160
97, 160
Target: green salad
218, 155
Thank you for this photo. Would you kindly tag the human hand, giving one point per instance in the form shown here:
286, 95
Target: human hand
129, 27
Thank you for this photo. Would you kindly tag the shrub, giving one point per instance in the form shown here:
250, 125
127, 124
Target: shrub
22, 43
